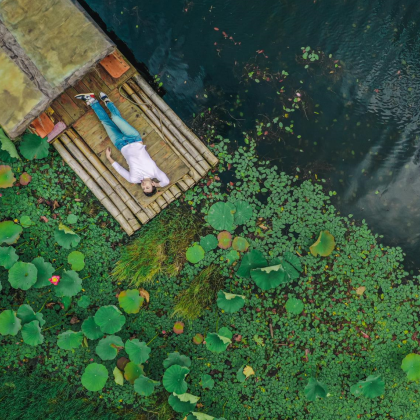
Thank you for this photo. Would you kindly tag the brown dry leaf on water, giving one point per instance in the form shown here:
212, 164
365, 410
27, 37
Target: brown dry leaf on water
248, 371
145, 294
360, 290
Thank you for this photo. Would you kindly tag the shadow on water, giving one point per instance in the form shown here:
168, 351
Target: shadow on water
360, 125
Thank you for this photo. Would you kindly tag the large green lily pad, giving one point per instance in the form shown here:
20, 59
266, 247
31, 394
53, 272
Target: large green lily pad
22, 275
144, 386
9, 232
69, 340
324, 246
220, 216
137, 351
294, 306
70, 284
91, 330
65, 237
26, 314
183, 403
176, 359
130, 301
94, 377
45, 272
10, 324
230, 302
208, 242
243, 212
107, 348
250, 261
372, 387
269, 277
110, 319
174, 379
218, 342
315, 389
31, 333
7, 177
8, 257
34, 147
195, 253
411, 366
77, 260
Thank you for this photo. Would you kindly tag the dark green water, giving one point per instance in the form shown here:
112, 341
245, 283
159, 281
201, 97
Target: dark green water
359, 126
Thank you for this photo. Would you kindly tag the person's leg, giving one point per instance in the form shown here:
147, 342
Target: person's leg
111, 128
120, 122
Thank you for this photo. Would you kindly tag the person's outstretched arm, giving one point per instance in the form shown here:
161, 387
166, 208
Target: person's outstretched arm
122, 171
163, 179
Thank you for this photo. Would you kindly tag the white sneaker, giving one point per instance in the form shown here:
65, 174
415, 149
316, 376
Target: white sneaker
89, 98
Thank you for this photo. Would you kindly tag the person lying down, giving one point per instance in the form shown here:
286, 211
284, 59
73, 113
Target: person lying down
127, 140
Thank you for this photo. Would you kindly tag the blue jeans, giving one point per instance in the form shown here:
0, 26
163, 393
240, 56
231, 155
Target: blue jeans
118, 129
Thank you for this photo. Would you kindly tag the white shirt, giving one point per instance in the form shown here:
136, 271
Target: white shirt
140, 164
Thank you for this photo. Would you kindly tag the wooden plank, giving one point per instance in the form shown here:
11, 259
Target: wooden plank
60, 114
70, 106
95, 84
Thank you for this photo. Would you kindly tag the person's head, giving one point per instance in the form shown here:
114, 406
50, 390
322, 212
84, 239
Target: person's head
148, 187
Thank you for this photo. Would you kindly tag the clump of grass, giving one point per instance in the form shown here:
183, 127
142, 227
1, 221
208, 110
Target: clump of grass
159, 248
201, 294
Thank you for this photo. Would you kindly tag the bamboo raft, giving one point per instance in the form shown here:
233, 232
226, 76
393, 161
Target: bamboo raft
170, 143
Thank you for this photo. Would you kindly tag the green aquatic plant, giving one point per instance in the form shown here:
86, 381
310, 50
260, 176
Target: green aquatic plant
220, 216
183, 403
7, 178
109, 319
65, 237
315, 389
218, 342
108, 347
22, 275
69, 340
145, 386
225, 240
130, 301
195, 253
411, 366
94, 377
208, 242
33, 146
174, 379
9, 232
8, 257
230, 302
77, 260
324, 245
372, 387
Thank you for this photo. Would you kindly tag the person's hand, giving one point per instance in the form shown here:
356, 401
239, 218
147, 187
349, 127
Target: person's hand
155, 184
108, 153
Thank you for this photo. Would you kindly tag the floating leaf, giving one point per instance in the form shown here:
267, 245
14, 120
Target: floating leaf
243, 212
144, 386
250, 261
176, 359
248, 371
130, 301
240, 244
9, 232
25, 221
45, 271
240, 376
291, 265
70, 284
218, 342
118, 376
183, 403
72, 219
94, 377
33, 147
91, 330
25, 178
269, 277
132, 371
225, 240
324, 246
208, 242
230, 302
372, 387
315, 389
294, 306
65, 237
220, 216
360, 290
84, 302
7, 145
137, 351
198, 339
110, 319
66, 301
178, 327
411, 366
195, 253
8, 257
9, 323
69, 340
122, 363
144, 294
7, 178
26, 314
77, 260
22, 275
174, 379
31, 333
202, 416
232, 256
207, 381
107, 348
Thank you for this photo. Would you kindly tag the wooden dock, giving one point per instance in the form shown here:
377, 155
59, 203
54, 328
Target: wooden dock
171, 144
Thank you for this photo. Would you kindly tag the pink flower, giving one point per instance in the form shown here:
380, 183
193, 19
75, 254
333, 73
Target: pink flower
163, 332
54, 280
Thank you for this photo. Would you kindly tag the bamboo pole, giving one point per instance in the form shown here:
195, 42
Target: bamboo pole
178, 123
175, 191
155, 207
109, 177
161, 202
168, 196
182, 185
186, 156
93, 186
188, 180
109, 191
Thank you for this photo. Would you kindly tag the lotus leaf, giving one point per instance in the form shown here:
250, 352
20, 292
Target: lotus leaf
72, 219
324, 245
243, 212
208, 243
7, 145
94, 377
65, 237
31, 333
292, 265
84, 301
25, 178
9, 232
315, 389
294, 306
91, 330
411, 366
8, 256
229, 302
240, 244
250, 261
195, 253
218, 342
45, 271
130, 301
26, 314
137, 351
132, 371
144, 386
122, 363
110, 319
220, 216
25, 221
176, 359
225, 240
7, 178
178, 327
198, 339
107, 348
69, 340
22, 275
70, 284
66, 301
118, 376
240, 376
174, 379
232, 256
9, 323
77, 260
207, 381
33, 147
269, 277
201, 416
372, 387
183, 403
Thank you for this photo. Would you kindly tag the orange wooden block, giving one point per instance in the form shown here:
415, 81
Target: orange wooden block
42, 125
115, 65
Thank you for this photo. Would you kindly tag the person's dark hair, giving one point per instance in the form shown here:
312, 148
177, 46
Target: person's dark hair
151, 193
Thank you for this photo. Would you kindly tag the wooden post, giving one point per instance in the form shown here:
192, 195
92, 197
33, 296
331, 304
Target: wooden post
155, 207
178, 123
93, 186
161, 202
182, 185
168, 196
